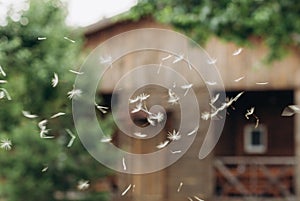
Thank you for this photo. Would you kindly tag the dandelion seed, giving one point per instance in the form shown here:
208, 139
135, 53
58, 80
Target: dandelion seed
163, 144
4, 93
205, 115
187, 88
42, 124
173, 98
2, 71
133, 187
54, 80
74, 93
42, 38
5, 144
197, 198
44, 130
239, 79
83, 185
106, 139
102, 109
141, 97
257, 121
159, 117
249, 112
177, 59
57, 115
179, 187
237, 52
211, 83
137, 108
193, 131
139, 134
174, 135
76, 72
151, 121
262, 83
3, 81
176, 152
238, 96
290, 110
28, 115
126, 190
73, 137
190, 199
68, 39
124, 164
45, 169
212, 61
167, 57
214, 99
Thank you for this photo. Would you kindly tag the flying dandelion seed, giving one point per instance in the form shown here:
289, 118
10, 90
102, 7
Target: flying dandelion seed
3, 81
44, 130
197, 198
73, 137
163, 144
214, 99
5, 144
68, 39
83, 185
2, 71
187, 88
139, 134
239, 79
177, 59
249, 112
173, 98
4, 93
54, 80
212, 61
102, 109
174, 135
193, 131
176, 152
211, 83
126, 190
28, 115
290, 110
262, 83
137, 108
190, 199
237, 52
167, 57
45, 169
179, 187
41, 38
141, 97
124, 164
205, 115
159, 117
74, 93
76, 72
57, 115
106, 139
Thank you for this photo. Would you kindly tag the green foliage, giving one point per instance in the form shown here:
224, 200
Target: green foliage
30, 64
276, 22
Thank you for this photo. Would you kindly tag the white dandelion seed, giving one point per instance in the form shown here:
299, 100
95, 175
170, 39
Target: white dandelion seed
174, 135
141, 97
193, 131
190, 199
68, 39
57, 115
124, 164
5, 144
45, 169
167, 57
106, 139
211, 83
262, 83
173, 98
187, 88
4, 93
102, 109
126, 190
42, 124
2, 71
151, 121
44, 130
159, 117
249, 112
237, 52
178, 58
163, 144
179, 187
73, 137
212, 61
137, 108
176, 152
76, 72
290, 110
139, 134
205, 115
28, 115
74, 93
83, 185
3, 81
239, 79
54, 80
41, 38
214, 99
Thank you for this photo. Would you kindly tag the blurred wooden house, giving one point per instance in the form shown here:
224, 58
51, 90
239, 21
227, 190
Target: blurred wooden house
249, 161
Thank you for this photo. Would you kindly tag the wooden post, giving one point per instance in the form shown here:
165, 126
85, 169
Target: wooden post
297, 145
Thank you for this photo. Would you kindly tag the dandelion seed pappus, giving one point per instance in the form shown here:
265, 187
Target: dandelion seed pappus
148, 82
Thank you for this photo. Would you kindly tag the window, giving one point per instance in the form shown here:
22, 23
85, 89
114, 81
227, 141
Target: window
255, 139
